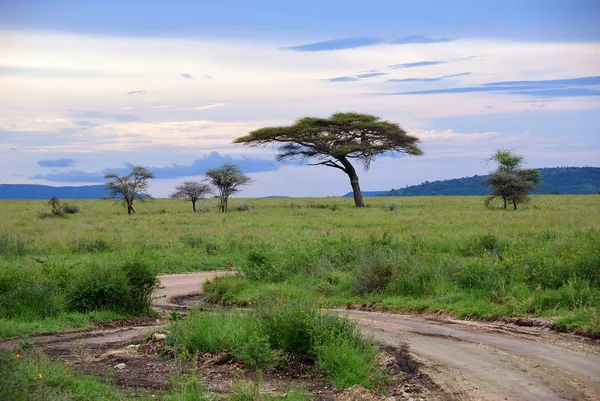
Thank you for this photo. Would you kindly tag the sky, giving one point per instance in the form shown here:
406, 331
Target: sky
90, 87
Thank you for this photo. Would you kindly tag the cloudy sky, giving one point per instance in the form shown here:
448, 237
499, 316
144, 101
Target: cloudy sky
88, 87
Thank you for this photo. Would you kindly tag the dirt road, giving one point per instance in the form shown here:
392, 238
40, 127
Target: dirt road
467, 360
473, 360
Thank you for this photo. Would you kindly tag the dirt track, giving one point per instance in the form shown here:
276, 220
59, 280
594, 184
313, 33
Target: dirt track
467, 360
478, 361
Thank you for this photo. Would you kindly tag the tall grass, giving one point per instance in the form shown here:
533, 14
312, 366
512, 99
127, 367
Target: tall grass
259, 339
429, 253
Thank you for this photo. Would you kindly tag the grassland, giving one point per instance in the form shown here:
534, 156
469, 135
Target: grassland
434, 254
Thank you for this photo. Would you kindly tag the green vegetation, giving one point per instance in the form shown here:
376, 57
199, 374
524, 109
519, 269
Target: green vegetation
47, 296
424, 254
262, 339
34, 377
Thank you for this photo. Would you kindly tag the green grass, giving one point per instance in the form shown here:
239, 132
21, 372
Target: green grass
423, 254
33, 377
261, 340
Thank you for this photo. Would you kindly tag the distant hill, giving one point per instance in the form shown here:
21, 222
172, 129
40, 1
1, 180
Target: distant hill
563, 180
30, 191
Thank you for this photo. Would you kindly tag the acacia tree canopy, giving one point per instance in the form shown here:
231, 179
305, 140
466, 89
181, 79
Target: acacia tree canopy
227, 179
191, 191
336, 141
129, 187
509, 181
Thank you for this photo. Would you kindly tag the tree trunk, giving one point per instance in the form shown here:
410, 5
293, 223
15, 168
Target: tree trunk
504, 203
358, 199
194, 205
515, 204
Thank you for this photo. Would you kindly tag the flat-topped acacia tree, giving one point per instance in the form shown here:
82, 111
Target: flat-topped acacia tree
336, 141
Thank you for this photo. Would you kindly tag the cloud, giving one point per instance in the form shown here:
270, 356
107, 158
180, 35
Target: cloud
343, 79
433, 136
210, 106
429, 79
186, 76
100, 115
196, 168
358, 77
140, 92
57, 163
418, 39
416, 64
353, 43
582, 81
371, 74
335, 44
546, 88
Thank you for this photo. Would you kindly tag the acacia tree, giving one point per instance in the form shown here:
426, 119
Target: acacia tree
335, 141
509, 181
227, 179
129, 187
191, 191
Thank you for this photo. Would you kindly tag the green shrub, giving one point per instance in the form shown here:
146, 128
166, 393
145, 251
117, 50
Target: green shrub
221, 290
372, 275
345, 364
70, 209
142, 283
103, 287
127, 288
391, 206
238, 334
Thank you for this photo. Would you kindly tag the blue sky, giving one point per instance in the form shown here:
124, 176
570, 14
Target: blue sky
94, 86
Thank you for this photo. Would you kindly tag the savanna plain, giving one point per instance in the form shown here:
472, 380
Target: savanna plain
291, 259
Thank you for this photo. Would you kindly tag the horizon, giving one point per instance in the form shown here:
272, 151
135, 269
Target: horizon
92, 87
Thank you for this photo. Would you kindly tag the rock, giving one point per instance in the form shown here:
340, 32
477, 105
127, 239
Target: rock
120, 366
158, 336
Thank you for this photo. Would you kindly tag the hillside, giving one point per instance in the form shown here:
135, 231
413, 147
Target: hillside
29, 191
563, 180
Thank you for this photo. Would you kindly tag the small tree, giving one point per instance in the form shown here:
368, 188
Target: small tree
57, 206
336, 141
509, 181
129, 187
227, 179
191, 191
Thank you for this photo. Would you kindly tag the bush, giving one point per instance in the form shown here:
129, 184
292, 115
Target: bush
142, 283
235, 333
257, 339
101, 288
221, 290
242, 207
372, 275
70, 209
127, 289
391, 206
346, 366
